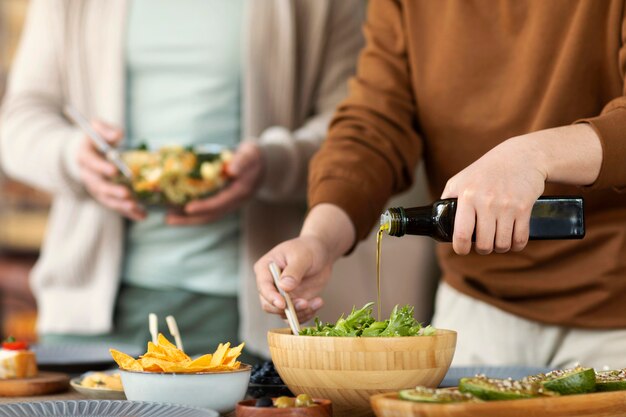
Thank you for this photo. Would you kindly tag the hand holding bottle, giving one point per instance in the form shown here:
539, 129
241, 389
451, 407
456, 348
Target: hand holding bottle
306, 262
497, 192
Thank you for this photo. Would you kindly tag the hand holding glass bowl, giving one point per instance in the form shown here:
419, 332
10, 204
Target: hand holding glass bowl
245, 171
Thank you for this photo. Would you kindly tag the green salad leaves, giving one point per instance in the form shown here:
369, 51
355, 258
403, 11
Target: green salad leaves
361, 323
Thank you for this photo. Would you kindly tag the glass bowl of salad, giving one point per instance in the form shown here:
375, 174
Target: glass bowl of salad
176, 175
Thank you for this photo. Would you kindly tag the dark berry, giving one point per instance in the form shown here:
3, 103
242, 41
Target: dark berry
264, 402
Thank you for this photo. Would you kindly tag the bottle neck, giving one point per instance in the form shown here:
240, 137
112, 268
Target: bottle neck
399, 221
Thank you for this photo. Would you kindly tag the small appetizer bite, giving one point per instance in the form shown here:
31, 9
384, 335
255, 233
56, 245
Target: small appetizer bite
16, 360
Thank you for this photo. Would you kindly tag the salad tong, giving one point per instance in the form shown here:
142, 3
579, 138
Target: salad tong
290, 311
110, 152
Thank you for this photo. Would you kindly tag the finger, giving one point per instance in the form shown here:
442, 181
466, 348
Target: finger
485, 232
265, 284
448, 191
303, 309
296, 268
464, 222
521, 231
269, 308
304, 316
223, 202
302, 305
127, 208
110, 133
92, 160
504, 233
246, 156
102, 187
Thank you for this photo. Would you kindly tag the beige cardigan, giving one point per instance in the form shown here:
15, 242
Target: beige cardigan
299, 54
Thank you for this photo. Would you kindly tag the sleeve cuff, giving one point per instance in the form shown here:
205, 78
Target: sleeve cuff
611, 129
70, 157
281, 163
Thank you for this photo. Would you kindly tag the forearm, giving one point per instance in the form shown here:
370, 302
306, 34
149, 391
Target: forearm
332, 226
568, 154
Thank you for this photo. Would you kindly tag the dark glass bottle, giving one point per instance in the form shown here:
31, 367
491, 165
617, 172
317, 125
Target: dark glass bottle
551, 218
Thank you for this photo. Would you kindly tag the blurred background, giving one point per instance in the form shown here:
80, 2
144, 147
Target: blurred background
23, 211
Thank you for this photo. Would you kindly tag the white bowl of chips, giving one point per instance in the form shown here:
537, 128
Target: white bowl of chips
219, 391
166, 374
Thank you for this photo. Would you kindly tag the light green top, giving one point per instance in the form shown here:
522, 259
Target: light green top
183, 87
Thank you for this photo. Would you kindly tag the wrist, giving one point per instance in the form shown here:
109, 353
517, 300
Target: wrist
331, 227
532, 149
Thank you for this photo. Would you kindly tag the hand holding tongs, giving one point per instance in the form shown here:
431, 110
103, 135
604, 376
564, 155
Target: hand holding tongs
290, 311
110, 152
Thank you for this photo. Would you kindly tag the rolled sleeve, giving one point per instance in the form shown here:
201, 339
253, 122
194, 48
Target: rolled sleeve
611, 129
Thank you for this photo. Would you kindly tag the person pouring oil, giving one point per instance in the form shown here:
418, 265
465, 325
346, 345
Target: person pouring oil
505, 103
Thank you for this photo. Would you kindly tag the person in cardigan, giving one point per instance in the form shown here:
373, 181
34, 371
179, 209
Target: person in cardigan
503, 102
259, 77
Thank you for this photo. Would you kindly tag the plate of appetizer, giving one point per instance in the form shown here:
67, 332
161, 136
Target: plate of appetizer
579, 391
20, 375
101, 385
301, 406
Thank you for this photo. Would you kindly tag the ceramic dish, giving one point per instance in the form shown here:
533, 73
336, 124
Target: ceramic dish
101, 393
220, 390
103, 408
247, 409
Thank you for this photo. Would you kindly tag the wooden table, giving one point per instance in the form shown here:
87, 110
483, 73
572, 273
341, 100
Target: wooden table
72, 394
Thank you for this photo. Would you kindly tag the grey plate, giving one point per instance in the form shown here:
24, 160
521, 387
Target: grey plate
516, 372
79, 357
104, 408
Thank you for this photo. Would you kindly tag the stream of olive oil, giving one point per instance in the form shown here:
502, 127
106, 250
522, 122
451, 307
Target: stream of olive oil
379, 239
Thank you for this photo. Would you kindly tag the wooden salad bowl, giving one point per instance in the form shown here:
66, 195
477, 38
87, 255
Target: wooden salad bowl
348, 370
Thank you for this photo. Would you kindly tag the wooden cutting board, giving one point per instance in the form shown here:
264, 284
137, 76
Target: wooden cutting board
601, 404
43, 383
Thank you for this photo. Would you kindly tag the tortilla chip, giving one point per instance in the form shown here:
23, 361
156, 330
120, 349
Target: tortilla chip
219, 354
171, 350
203, 361
165, 357
232, 355
125, 361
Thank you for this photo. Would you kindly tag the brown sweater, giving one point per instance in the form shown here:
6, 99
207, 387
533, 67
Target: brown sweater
448, 80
